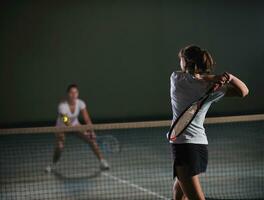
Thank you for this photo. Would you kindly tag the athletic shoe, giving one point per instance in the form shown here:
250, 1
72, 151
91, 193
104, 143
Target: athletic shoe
104, 165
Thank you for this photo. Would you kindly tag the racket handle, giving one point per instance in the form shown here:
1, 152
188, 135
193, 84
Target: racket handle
215, 87
171, 137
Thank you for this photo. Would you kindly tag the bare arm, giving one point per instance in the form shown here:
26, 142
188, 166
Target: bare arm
86, 116
91, 132
235, 86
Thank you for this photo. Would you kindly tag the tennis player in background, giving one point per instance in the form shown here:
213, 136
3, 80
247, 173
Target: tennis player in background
68, 112
189, 150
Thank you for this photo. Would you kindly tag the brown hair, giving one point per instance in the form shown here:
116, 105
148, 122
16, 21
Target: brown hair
197, 60
69, 87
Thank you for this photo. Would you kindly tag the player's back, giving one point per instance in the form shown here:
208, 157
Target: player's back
186, 89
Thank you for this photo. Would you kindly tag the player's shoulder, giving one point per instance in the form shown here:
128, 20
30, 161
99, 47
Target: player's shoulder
81, 103
62, 106
176, 75
62, 103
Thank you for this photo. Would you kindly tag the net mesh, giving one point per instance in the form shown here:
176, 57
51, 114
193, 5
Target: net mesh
140, 162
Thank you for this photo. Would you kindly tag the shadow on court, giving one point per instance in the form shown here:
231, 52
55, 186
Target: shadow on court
70, 177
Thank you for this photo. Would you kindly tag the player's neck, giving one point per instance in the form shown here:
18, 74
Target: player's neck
71, 102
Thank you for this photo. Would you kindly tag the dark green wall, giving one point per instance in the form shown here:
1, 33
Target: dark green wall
121, 53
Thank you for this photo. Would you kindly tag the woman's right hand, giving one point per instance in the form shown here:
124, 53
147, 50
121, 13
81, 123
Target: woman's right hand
236, 86
222, 79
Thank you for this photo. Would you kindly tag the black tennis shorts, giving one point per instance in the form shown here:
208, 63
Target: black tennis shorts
193, 156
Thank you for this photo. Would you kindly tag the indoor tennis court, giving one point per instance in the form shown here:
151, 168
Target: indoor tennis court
140, 164
108, 100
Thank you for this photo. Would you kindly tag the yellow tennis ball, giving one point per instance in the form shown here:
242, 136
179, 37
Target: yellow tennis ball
65, 119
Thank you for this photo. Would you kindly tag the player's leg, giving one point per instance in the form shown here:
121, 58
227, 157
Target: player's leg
177, 191
59, 146
190, 185
90, 138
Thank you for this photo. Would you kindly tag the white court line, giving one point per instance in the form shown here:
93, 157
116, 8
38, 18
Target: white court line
135, 186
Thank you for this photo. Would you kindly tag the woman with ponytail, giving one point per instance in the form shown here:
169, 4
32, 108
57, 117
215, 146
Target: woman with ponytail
189, 150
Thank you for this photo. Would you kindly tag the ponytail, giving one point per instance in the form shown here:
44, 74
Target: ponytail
196, 59
208, 61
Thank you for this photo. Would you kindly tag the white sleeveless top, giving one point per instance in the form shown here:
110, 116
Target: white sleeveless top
64, 109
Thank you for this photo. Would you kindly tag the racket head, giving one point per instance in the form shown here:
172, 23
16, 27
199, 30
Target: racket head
109, 144
183, 121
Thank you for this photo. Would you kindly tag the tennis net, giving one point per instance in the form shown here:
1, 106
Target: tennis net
139, 158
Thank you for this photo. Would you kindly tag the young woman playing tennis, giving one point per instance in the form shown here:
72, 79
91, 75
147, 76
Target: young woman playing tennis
189, 150
68, 112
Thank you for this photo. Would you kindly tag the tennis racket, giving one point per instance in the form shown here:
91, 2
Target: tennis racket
186, 117
109, 144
